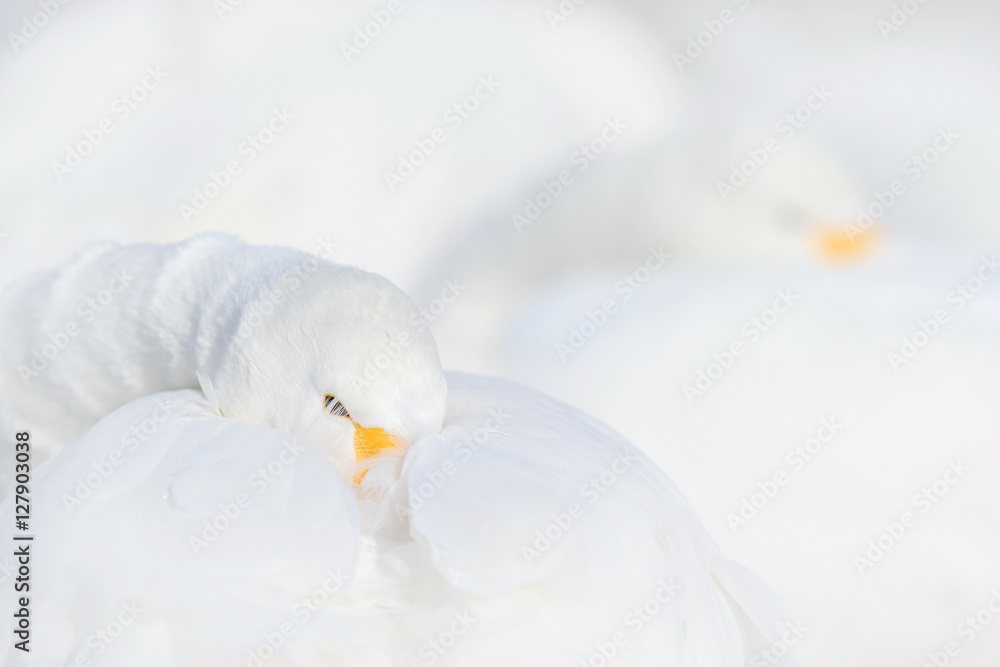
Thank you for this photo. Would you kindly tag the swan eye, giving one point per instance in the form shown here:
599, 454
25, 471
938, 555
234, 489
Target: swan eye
335, 407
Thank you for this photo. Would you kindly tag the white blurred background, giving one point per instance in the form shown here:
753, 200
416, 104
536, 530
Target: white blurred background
118, 120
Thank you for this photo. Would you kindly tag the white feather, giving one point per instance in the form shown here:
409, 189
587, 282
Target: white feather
509, 529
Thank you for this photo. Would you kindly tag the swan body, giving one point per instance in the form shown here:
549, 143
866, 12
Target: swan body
225, 526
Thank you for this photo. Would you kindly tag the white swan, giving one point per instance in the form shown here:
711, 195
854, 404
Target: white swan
328, 500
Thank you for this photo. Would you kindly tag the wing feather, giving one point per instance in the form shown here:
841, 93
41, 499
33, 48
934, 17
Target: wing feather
552, 499
212, 527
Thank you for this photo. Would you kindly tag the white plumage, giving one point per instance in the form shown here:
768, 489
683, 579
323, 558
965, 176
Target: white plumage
512, 530
256, 322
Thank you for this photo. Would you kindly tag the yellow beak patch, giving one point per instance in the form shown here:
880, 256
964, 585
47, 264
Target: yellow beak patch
836, 244
371, 441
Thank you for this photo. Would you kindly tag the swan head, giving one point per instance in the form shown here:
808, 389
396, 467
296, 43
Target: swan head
334, 354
